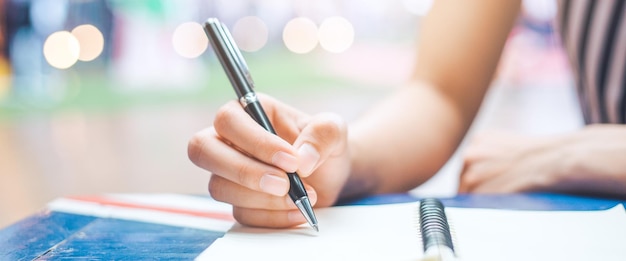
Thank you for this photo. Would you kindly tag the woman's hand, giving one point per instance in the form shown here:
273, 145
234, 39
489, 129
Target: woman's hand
249, 164
592, 160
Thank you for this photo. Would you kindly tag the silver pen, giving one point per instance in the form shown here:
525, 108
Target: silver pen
237, 70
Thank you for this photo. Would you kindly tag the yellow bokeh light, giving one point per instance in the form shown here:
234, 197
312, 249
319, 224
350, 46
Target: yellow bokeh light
300, 35
250, 33
5, 78
189, 40
336, 34
91, 42
61, 49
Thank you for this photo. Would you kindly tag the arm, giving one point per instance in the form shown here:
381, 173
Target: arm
406, 138
399, 144
589, 161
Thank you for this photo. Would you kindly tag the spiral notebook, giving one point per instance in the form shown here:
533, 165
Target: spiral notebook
392, 232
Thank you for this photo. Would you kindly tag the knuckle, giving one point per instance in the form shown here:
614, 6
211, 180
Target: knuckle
245, 177
215, 189
240, 215
259, 218
223, 117
327, 130
470, 178
261, 143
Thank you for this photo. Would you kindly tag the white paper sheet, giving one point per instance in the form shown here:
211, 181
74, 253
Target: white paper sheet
390, 232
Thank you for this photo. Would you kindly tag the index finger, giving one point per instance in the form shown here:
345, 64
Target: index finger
233, 124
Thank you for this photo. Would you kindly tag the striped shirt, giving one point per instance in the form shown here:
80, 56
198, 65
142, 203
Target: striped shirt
594, 35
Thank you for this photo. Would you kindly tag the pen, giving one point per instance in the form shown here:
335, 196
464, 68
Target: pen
237, 70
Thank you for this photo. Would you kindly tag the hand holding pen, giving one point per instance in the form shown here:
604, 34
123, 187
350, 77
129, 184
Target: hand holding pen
253, 169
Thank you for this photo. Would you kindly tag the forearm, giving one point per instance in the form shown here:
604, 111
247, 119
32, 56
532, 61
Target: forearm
588, 161
403, 141
593, 161
410, 135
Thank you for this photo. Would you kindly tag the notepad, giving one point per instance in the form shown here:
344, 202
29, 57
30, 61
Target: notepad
390, 232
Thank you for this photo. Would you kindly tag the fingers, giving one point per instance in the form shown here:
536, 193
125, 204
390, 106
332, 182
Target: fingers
209, 152
268, 218
498, 177
485, 158
249, 164
467, 179
233, 124
227, 191
463, 184
254, 208
323, 136
477, 176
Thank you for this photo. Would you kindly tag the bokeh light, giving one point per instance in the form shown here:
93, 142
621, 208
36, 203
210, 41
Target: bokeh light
91, 42
61, 49
300, 35
5, 81
336, 34
48, 16
189, 40
418, 7
250, 33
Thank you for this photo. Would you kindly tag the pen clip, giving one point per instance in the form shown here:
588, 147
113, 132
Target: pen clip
232, 46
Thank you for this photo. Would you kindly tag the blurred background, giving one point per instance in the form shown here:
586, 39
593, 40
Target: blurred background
102, 96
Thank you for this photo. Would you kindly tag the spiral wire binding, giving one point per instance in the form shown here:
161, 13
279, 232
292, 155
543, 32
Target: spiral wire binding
434, 229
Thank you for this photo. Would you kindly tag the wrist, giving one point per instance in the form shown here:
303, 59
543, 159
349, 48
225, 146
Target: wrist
361, 180
584, 166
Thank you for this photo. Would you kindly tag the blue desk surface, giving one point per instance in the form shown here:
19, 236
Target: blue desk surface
54, 235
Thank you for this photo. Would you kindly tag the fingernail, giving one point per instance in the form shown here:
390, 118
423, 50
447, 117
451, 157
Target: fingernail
295, 216
312, 196
274, 185
308, 159
285, 161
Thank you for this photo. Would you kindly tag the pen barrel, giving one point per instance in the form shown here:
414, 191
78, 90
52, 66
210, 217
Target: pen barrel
297, 190
236, 69
257, 113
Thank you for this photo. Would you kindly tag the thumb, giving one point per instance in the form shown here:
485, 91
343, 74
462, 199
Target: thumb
323, 135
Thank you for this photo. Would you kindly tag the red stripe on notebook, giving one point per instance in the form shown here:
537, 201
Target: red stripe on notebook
109, 202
